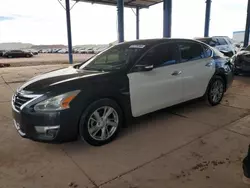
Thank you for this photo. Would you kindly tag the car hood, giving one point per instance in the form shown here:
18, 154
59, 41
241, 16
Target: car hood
243, 52
55, 78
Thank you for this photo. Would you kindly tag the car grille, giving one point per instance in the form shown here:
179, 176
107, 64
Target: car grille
19, 100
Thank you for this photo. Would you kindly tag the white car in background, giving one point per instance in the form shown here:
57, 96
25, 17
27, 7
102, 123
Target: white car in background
222, 43
63, 51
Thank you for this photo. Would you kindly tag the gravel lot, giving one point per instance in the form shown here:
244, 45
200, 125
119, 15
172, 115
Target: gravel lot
191, 145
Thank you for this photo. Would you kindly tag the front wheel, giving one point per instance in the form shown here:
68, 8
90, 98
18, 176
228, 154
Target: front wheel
101, 122
215, 91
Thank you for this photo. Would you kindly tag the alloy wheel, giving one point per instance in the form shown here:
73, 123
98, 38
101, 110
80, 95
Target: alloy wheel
102, 123
217, 90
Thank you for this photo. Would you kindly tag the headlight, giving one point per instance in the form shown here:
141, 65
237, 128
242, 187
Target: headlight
232, 60
59, 102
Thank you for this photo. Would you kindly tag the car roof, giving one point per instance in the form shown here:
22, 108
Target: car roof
200, 38
158, 41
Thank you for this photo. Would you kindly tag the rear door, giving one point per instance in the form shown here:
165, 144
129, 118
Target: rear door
18, 53
197, 68
160, 87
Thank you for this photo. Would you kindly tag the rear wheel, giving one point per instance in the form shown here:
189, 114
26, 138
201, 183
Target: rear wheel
215, 91
236, 72
101, 122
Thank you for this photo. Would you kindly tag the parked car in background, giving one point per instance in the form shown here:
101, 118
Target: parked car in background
17, 53
82, 51
63, 51
33, 51
48, 50
55, 50
242, 61
76, 50
2, 52
89, 51
222, 43
98, 50
91, 100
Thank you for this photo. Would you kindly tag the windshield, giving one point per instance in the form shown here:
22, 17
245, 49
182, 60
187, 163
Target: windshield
208, 41
218, 53
115, 58
248, 48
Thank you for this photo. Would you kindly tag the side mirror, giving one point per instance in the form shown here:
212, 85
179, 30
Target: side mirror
227, 53
142, 68
237, 45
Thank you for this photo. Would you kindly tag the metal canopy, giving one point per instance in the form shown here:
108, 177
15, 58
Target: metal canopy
127, 3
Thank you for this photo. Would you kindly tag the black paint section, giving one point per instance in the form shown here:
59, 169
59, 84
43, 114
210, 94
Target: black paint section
242, 62
93, 85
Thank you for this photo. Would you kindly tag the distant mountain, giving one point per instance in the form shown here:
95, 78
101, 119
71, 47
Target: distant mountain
14, 45
86, 46
19, 45
39, 47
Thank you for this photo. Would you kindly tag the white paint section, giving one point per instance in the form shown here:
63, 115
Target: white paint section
154, 90
195, 77
157, 89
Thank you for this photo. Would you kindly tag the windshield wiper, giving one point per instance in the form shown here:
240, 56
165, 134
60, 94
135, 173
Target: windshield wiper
93, 69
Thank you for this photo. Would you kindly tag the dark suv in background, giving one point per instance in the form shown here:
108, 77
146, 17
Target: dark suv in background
17, 53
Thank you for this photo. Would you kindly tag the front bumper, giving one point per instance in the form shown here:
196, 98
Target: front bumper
242, 68
47, 127
241, 64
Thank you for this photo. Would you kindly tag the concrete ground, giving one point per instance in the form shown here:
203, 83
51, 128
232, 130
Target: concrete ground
187, 146
44, 59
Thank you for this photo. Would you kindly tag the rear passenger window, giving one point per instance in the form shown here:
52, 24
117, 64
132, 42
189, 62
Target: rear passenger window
191, 51
222, 41
161, 55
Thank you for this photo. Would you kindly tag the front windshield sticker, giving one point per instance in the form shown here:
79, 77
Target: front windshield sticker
137, 46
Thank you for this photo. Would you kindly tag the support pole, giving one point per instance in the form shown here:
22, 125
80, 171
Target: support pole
167, 18
246, 38
67, 7
207, 18
120, 16
137, 23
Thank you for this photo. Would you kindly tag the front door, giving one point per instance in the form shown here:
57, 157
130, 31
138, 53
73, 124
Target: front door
160, 87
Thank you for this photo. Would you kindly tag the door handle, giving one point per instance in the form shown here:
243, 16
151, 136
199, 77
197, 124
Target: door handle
209, 64
176, 73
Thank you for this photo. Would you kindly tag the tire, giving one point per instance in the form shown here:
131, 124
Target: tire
236, 72
211, 91
89, 122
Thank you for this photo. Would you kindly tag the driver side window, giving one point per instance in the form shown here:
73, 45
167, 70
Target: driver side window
161, 55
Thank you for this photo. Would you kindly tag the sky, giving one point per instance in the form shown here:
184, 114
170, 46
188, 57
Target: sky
44, 21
